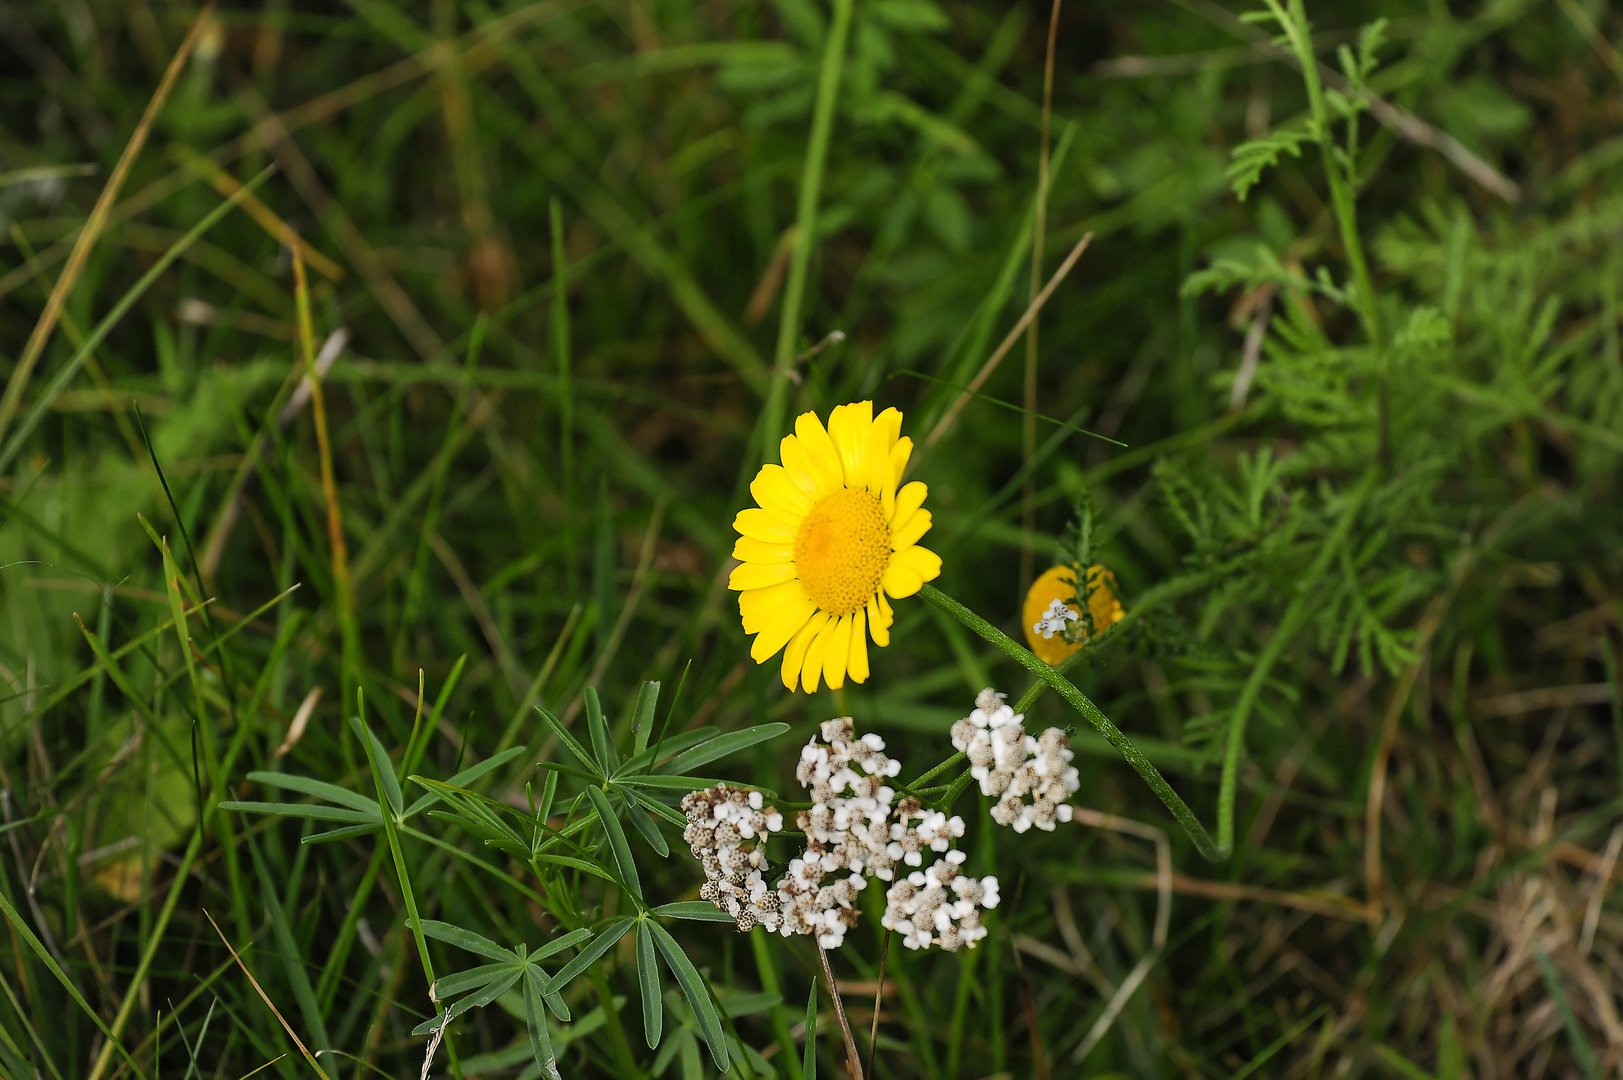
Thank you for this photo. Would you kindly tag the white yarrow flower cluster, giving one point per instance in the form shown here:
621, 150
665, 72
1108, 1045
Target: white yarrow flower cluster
727, 832
1054, 620
856, 828
940, 906
847, 832
1010, 765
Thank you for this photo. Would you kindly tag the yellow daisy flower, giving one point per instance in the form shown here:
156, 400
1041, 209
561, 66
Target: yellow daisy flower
831, 539
1059, 584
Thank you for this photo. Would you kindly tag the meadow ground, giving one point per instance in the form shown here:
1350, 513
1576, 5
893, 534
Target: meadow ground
382, 382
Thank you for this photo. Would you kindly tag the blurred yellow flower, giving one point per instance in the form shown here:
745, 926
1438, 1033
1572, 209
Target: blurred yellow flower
1051, 602
831, 538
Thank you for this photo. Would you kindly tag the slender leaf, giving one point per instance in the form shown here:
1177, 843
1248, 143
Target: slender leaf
467, 939
586, 957
559, 944
696, 910
602, 742
320, 789
617, 840
536, 1021
653, 1010
645, 825
642, 716
466, 777
385, 772
319, 813
721, 746
698, 996
571, 743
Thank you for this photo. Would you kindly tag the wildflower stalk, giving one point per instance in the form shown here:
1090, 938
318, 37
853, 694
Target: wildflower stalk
1079, 701
1339, 173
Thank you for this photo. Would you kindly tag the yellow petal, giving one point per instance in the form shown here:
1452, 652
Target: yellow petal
908, 499
848, 426
909, 569
822, 461
858, 662
900, 582
908, 534
898, 458
878, 621
760, 575
836, 650
762, 608
749, 549
876, 458
765, 525
775, 491
795, 469
783, 625
794, 654
811, 669
921, 561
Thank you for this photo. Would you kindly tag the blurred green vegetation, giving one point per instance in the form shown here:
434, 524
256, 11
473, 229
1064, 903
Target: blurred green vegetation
1367, 532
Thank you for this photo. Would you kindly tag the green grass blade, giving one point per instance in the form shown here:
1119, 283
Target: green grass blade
808, 1064
59, 382
1582, 1048
292, 963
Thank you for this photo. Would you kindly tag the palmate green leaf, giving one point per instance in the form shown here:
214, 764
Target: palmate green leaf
721, 746
653, 1010
698, 996
617, 840
571, 743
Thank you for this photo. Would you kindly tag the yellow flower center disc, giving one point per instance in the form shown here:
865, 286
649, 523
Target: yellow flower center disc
842, 550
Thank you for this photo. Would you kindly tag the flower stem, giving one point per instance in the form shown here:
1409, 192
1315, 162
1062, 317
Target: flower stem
1077, 700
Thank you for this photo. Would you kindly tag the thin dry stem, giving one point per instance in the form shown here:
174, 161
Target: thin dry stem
852, 1058
945, 423
94, 225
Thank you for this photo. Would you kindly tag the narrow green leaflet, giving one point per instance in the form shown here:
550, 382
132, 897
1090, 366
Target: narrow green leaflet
386, 773
536, 1021
696, 910
675, 744
653, 1010
617, 840
605, 940
721, 746
602, 743
304, 810
808, 1066
642, 716
698, 997
466, 939
466, 777
571, 743
304, 785
645, 825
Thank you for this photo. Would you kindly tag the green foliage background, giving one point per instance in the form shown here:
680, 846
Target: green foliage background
1373, 598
